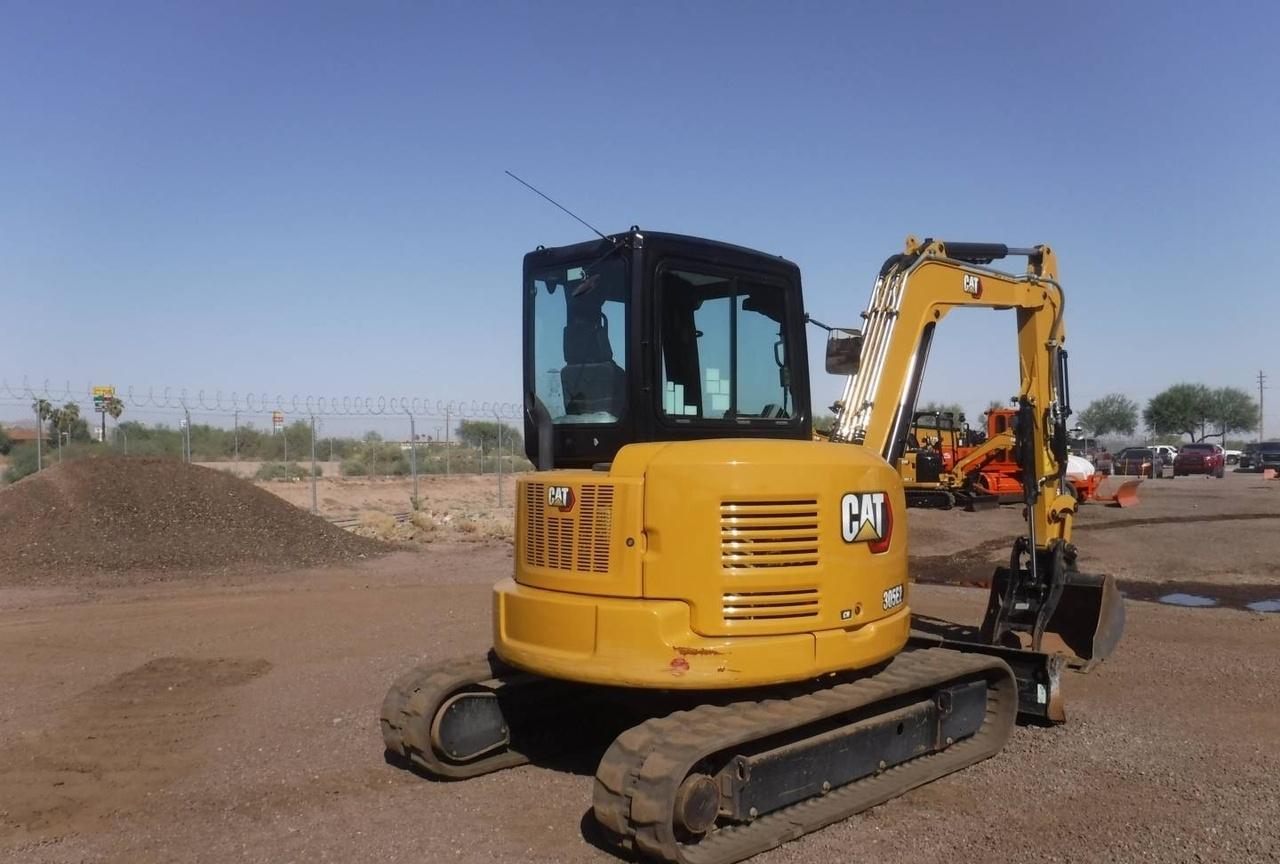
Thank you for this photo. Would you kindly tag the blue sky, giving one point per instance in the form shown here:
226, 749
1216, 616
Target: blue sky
309, 198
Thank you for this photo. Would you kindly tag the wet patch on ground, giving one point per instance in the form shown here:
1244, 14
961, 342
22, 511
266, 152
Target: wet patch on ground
973, 568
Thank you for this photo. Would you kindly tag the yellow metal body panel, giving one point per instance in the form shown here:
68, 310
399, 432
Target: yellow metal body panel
705, 564
650, 643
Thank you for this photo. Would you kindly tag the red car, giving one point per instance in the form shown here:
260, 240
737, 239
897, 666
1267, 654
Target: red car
1200, 459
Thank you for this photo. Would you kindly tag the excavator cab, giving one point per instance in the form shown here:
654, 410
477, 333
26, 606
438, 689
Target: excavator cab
649, 336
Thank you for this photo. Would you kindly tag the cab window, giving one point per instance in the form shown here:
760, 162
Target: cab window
723, 348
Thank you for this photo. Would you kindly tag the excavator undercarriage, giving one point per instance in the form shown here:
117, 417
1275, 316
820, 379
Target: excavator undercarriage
715, 781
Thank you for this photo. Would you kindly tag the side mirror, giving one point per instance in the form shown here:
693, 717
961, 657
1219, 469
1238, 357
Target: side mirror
844, 351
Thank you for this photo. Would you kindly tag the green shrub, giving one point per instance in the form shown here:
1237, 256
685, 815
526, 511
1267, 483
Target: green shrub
22, 458
22, 461
281, 471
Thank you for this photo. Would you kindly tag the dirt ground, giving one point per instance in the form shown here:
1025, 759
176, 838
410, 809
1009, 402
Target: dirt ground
235, 717
348, 496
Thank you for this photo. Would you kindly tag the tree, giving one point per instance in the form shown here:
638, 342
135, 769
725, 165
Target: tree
484, 433
115, 407
995, 405
1233, 410
1194, 410
42, 410
1113, 413
6, 444
65, 421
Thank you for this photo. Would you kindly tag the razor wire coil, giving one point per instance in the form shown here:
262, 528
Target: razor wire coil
261, 402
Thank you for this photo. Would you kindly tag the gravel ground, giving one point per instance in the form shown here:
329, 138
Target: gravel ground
236, 719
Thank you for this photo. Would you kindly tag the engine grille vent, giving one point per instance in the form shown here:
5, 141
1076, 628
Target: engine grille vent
575, 540
595, 525
769, 534
765, 605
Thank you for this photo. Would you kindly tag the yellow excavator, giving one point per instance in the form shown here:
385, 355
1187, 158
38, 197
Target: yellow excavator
731, 594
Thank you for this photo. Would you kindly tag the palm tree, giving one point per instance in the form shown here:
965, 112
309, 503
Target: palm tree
115, 407
65, 419
56, 420
42, 410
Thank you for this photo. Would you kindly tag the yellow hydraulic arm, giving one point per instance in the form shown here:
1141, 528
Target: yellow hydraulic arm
913, 293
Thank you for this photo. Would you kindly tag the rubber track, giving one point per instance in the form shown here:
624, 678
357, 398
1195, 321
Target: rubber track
637, 779
412, 702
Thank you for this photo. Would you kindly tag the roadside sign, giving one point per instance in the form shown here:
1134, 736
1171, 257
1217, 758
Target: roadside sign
277, 421
102, 396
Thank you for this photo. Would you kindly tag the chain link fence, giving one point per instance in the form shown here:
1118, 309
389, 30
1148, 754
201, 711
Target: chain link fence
263, 436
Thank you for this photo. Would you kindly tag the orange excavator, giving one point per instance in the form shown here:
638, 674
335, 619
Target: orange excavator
977, 468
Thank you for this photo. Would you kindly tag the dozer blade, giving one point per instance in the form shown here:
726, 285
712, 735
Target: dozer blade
1087, 624
1124, 495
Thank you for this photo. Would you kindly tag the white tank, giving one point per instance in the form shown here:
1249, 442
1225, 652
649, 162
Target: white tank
1079, 467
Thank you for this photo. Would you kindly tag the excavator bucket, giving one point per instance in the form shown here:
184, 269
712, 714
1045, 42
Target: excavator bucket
1087, 624
1124, 495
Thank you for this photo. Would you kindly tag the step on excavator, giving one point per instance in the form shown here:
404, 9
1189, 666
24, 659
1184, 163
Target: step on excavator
726, 599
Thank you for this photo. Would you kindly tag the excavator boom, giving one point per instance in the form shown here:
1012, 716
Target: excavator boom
1041, 601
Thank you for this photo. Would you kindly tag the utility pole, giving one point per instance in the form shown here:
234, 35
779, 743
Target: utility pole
1262, 414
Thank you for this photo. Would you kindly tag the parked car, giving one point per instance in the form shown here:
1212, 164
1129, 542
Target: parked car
1232, 457
1168, 453
1139, 461
1203, 458
1268, 455
1249, 457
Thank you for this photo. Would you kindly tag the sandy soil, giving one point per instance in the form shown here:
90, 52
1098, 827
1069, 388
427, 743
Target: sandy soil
468, 494
236, 719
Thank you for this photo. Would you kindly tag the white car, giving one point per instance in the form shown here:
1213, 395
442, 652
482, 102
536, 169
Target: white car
1232, 456
1166, 452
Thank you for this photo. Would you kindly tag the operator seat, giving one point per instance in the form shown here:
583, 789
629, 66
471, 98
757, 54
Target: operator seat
590, 380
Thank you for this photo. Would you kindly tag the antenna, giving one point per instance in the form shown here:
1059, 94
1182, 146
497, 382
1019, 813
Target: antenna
561, 206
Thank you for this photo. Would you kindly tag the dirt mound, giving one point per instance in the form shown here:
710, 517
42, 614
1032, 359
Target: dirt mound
153, 516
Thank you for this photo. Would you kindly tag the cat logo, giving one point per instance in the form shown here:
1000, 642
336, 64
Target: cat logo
560, 497
865, 517
973, 285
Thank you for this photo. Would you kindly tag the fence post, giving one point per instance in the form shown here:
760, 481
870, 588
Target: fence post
498, 453
314, 508
237, 438
447, 424
413, 456
39, 436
